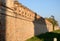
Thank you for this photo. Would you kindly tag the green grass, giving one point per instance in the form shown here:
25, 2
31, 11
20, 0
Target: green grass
57, 31
35, 39
46, 36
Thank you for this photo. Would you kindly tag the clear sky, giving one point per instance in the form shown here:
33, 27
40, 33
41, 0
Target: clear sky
44, 8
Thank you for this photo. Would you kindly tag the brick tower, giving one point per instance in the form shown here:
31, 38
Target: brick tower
6, 7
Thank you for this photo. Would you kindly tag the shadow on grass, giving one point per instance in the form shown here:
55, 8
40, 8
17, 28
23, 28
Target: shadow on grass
49, 36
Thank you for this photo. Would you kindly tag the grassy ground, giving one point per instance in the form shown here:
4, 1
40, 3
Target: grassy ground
49, 36
57, 31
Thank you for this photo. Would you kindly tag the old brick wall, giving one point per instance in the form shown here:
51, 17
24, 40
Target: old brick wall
21, 23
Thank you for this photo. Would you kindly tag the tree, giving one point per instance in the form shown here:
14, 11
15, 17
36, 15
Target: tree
52, 21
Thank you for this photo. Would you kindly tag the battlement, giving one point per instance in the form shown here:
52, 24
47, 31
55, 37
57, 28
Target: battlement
24, 11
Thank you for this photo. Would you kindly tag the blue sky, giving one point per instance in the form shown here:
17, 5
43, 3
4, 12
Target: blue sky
44, 8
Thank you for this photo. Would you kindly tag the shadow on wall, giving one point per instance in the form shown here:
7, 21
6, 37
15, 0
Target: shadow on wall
39, 25
2, 22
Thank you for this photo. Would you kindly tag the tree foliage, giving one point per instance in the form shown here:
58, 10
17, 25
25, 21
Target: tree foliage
52, 21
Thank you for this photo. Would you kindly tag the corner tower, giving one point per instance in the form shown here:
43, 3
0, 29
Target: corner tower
8, 3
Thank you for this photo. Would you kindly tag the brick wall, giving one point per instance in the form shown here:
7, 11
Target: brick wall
21, 23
